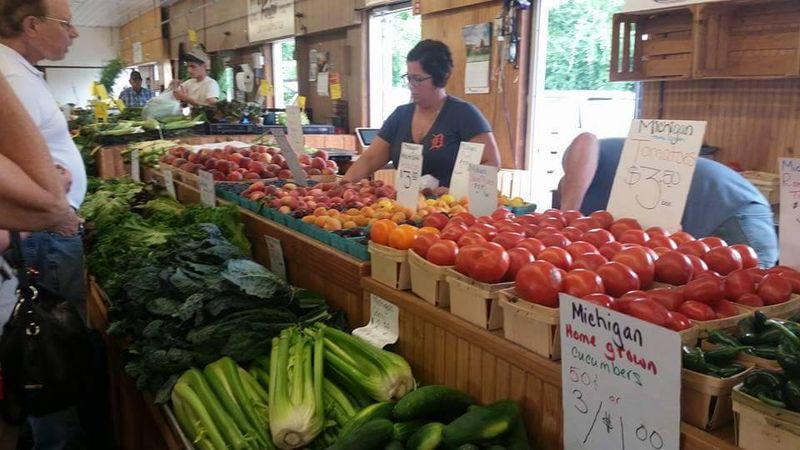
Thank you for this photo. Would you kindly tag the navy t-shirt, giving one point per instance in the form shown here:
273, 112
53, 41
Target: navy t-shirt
716, 194
457, 121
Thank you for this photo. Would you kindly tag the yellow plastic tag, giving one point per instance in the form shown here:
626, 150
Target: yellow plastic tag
263, 88
336, 91
192, 36
120, 105
101, 112
301, 102
101, 92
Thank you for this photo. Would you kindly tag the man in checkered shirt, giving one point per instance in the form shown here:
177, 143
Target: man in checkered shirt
136, 95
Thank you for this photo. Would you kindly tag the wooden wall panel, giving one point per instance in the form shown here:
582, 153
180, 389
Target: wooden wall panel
506, 111
314, 16
335, 45
753, 122
432, 6
222, 12
227, 35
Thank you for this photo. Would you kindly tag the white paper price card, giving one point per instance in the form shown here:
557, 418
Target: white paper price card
655, 171
207, 195
136, 171
482, 190
276, 262
790, 212
169, 183
409, 170
620, 378
294, 127
384, 323
298, 173
468, 153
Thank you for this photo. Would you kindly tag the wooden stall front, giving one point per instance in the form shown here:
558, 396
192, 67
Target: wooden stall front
444, 349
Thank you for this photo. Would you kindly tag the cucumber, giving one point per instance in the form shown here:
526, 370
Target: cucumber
373, 435
395, 445
481, 424
382, 410
404, 430
468, 447
432, 402
517, 437
426, 438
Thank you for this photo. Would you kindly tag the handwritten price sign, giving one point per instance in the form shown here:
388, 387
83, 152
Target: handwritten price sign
409, 170
621, 380
384, 323
298, 174
294, 127
655, 171
482, 190
790, 212
468, 153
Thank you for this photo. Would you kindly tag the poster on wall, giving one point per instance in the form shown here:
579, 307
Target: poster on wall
270, 19
478, 44
645, 5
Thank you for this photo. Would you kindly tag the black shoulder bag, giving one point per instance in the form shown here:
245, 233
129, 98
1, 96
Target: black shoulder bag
45, 352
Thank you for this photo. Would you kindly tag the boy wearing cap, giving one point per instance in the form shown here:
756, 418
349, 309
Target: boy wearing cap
200, 89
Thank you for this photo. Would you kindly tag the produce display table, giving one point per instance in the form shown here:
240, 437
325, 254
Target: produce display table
309, 264
110, 162
444, 349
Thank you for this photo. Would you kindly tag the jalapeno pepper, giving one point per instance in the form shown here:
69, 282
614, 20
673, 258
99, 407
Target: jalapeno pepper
788, 349
722, 338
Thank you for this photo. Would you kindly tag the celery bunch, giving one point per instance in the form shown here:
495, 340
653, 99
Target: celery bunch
358, 366
296, 389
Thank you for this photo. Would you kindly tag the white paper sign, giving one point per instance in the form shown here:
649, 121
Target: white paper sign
322, 84
298, 173
482, 190
790, 212
270, 19
276, 262
645, 5
207, 195
468, 153
169, 183
655, 171
294, 127
409, 170
384, 323
136, 171
621, 380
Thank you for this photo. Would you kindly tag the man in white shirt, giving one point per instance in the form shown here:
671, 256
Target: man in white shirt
32, 31
200, 89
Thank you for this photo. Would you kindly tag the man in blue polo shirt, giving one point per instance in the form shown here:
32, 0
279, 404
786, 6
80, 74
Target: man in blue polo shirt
720, 202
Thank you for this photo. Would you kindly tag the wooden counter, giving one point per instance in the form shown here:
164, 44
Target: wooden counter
444, 349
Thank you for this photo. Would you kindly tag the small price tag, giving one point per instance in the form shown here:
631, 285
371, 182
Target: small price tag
207, 194
169, 183
265, 88
790, 212
468, 153
135, 169
120, 105
294, 127
482, 189
298, 173
336, 91
101, 91
655, 171
101, 112
384, 323
409, 170
276, 262
192, 36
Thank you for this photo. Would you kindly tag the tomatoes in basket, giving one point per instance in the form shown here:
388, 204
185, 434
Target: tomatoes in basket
517, 257
604, 300
641, 261
533, 245
610, 249
422, 243
555, 240
618, 278
443, 253
774, 289
582, 282
484, 229
507, 239
380, 231
723, 260
714, 241
466, 255
580, 247
678, 322
623, 225
708, 290
436, 220
598, 237
589, 261
539, 282
661, 241
603, 217
726, 308
648, 310
556, 256
749, 256
669, 298
750, 300
674, 267
453, 231
696, 248
489, 265
794, 279
470, 238
634, 237
697, 311
738, 284
681, 237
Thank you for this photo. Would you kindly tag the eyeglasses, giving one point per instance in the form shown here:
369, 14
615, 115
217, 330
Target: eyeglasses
414, 80
66, 24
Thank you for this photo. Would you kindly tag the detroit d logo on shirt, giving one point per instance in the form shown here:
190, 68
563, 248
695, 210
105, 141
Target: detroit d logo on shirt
437, 141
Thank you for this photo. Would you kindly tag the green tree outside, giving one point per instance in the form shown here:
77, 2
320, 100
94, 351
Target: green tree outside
406, 30
579, 46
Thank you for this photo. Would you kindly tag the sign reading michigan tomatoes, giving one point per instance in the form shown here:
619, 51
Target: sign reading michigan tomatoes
621, 380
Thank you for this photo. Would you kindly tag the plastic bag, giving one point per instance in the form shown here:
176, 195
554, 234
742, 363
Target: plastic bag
162, 106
